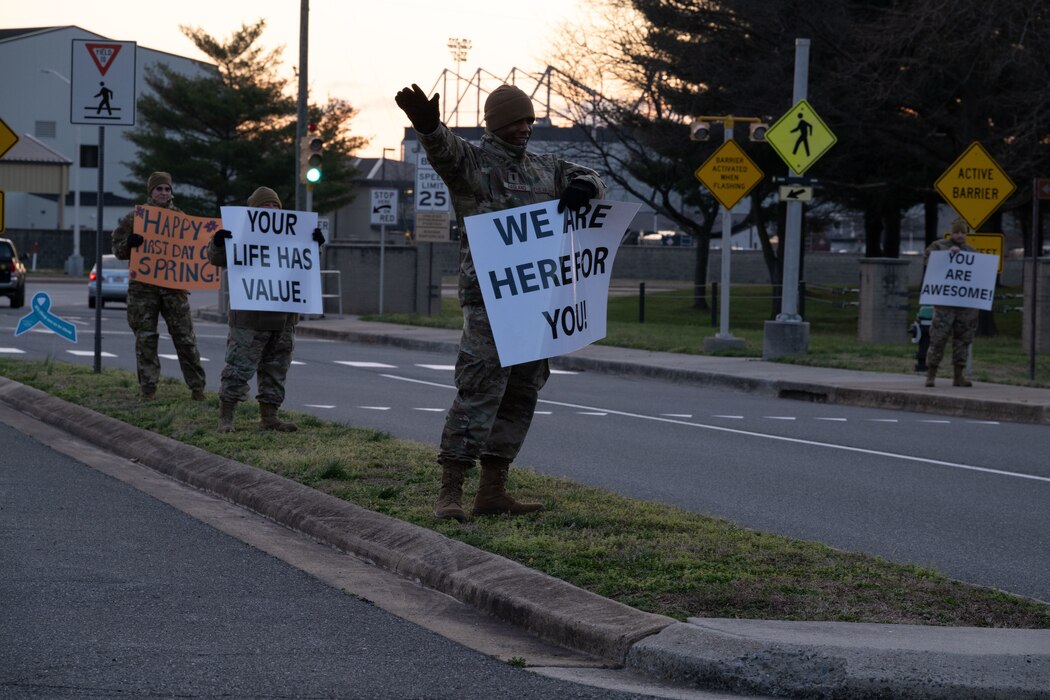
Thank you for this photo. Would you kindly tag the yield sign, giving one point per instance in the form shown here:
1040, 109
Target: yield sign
103, 55
800, 137
975, 185
8, 138
729, 174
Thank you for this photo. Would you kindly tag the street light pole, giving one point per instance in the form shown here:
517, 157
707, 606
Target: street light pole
75, 263
382, 234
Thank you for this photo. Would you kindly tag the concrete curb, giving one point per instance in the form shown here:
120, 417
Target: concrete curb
849, 660
548, 607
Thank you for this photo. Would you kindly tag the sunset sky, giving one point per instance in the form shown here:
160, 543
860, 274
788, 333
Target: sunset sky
363, 52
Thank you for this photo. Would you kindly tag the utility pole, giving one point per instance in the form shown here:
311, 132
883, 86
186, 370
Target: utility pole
302, 116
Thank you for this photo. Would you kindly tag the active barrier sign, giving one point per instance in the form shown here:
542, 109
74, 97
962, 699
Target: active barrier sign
545, 276
959, 279
974, 185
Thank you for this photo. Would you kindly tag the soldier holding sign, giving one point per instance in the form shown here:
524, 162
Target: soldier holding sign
260, 343
146, 302
954, 322
494, 405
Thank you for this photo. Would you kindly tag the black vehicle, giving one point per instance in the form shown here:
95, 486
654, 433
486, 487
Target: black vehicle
12, 274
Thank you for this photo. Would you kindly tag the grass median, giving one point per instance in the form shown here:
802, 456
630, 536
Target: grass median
651, 556
673, 324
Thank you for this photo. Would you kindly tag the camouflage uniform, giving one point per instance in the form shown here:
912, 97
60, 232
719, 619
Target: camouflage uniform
148, 301
493, 408
950, 322
259, 342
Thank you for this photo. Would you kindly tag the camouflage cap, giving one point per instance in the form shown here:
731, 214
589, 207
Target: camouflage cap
157, 178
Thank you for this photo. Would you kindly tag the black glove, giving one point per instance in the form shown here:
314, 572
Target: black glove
423, 113
220, 236
576, 195
318, 236
135, 240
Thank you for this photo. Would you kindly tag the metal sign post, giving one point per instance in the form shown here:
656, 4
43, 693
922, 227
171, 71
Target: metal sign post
384, 211
102, 92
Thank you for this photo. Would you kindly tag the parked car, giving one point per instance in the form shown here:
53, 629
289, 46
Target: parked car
114, 281
12, 274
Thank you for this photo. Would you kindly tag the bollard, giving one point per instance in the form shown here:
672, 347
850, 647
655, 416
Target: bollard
641, 302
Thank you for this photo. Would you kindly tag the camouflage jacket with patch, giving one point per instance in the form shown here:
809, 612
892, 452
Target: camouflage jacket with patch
492, 177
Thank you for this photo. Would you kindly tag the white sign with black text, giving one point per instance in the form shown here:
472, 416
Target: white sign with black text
273, 260
431, 191
384, 207
545, 276
959, 279
102, 82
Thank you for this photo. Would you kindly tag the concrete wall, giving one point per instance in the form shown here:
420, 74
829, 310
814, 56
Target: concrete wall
410, 283
883, 300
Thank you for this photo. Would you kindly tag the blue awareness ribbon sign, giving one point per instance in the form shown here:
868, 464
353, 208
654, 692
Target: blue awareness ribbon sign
41, 314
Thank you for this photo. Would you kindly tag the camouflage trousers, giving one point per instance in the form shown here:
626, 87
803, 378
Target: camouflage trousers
954, 323
250, 352
493, 408
145, 304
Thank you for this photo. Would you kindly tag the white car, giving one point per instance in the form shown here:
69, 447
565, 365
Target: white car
114, 281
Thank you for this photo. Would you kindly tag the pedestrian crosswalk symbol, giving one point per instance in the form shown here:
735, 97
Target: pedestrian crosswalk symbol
800, 137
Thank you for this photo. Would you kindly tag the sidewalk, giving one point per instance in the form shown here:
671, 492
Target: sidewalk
793, 659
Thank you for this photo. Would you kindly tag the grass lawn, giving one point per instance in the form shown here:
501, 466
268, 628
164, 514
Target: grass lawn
651, 556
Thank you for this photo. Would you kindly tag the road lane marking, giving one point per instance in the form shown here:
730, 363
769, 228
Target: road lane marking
375, 408
318, 405
779, 438
365, 365
12, 351
838, 420
89, 353
440, 368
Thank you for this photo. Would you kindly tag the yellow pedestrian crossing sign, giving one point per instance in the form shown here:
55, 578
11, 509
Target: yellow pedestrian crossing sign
800, 137
975, 185
729, 174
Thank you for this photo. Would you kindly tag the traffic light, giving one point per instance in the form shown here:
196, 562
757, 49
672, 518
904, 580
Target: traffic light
311, 152
699, 130
757, 132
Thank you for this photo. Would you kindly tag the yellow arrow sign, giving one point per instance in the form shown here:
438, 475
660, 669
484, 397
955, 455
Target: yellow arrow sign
8, 138
729, 174
800, 137
975, 185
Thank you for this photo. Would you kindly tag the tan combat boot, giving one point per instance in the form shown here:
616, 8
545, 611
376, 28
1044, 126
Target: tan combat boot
270, 421
931, 373
960, 380
226, 410
492, 497
449, 504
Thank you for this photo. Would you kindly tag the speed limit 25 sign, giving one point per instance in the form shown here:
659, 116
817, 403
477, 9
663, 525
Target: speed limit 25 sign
431, 192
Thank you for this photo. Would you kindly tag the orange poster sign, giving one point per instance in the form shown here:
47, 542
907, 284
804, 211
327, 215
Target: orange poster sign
173, 254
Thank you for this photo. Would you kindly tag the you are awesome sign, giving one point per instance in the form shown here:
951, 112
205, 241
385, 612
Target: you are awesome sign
273, 261
545, 276
959, 279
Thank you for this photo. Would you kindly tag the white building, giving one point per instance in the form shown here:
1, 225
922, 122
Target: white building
37, 65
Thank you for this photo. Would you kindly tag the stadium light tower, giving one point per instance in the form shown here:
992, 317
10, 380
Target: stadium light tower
458, 48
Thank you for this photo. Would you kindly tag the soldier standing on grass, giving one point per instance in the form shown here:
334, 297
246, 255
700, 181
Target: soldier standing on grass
493, 408
148, 301
259, 342
955, 322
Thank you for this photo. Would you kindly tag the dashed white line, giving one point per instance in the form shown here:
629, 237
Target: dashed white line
933, 420
12, 351
375, 408
318, 405
882, 420
717, 415
780, 417
89, 353
440, 368
779, 438
592, 413
837, 420
365, 365
430, 410
677, 415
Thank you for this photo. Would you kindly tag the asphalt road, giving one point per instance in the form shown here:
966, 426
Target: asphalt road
108, 592
944, 492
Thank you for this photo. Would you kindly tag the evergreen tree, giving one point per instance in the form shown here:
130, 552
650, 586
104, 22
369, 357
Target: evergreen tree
232, 127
